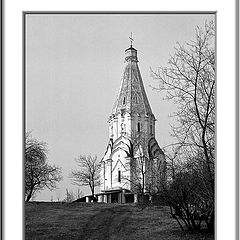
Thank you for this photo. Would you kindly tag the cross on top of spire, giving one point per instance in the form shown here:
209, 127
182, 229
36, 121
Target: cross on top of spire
131, 39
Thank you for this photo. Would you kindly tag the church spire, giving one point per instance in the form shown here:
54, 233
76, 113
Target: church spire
132, 96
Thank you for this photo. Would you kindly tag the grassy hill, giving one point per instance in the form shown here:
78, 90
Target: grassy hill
100, 221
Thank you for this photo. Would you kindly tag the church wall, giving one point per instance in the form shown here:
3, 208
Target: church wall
102, 174
145, 123
129, 124
115, 128
110, 128
108, 176
153, 124
119, 125
119, 163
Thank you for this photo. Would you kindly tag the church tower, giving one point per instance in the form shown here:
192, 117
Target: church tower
133, 160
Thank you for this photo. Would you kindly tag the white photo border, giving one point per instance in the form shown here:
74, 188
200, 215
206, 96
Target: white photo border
227, 96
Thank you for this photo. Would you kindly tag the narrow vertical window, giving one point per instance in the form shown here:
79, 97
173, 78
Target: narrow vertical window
111, 130
136, 99
151, 129
122, 127
124, 101
119, 176
138, 127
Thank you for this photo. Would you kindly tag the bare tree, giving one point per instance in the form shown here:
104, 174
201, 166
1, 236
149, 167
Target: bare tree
188, 195
79, 193
38, 173
88, 173
139, 163
58, 195
189, 81
69, 196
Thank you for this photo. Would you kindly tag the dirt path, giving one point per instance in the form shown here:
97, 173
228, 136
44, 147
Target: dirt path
108, 223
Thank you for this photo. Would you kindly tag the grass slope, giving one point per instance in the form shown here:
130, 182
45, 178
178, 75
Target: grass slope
100, 221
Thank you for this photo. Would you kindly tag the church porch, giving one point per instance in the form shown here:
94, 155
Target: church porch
116, 196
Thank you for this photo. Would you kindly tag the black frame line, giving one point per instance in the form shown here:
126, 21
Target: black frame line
24, 15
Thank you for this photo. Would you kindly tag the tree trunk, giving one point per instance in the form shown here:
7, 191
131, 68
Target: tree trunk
211, 224
92, 190
29, 196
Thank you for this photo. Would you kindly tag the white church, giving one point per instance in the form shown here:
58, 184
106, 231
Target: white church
133, 163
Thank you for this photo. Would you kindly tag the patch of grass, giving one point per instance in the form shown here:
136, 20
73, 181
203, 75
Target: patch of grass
102, 221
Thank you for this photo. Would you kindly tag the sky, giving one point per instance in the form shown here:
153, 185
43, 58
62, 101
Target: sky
74, 65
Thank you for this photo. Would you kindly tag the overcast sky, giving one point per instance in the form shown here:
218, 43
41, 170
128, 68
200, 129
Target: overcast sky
74, 65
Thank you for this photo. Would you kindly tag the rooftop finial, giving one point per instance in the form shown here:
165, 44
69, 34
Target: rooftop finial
131, 39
